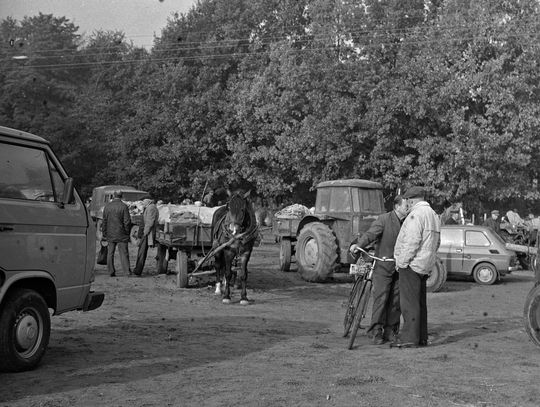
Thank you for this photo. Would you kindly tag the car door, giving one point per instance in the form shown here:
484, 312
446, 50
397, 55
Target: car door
477, 248
37, 232
451, 249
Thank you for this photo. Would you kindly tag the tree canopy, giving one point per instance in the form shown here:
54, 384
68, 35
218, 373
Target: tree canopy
277, 96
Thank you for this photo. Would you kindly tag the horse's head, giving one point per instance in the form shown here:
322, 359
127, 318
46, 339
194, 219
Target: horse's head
238, 212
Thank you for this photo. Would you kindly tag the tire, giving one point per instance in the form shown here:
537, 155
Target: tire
352, 306
316, 252
285, 254
524, 261
365, 293
181, 269
485, 274
534, 263
161, 259
531, 315
437, 278
25, 328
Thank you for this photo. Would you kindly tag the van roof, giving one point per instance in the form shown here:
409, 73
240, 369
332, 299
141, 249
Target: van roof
357, 183
19, 134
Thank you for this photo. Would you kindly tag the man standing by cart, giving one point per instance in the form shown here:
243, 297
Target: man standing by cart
416, 254
386, 313
116, 226
148, 235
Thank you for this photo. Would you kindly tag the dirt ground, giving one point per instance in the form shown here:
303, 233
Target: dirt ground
152, 344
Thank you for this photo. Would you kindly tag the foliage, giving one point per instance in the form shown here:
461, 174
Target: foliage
279, 95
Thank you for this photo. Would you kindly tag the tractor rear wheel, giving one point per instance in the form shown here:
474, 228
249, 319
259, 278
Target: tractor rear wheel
316, 252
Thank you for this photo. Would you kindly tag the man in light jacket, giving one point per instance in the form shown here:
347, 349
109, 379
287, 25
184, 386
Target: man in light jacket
150, 219
416, 253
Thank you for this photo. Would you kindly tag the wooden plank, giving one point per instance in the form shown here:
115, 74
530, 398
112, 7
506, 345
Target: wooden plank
521, 248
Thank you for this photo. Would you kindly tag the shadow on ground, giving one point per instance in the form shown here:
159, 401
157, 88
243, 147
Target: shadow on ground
123, 352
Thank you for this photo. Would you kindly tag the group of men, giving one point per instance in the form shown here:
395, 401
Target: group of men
116, 228
410, 234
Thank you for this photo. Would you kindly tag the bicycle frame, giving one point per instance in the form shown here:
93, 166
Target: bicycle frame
360, 294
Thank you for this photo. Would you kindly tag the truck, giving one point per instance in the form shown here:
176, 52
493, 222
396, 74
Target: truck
103, 194
319, 242
47, 248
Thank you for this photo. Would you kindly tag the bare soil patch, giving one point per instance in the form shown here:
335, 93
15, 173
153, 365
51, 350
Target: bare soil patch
152, 344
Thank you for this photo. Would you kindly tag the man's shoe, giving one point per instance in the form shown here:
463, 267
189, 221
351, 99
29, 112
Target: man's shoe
378, 339
113, 274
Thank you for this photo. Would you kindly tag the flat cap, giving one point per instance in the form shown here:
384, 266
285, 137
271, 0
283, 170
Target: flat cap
414, 192
495, 212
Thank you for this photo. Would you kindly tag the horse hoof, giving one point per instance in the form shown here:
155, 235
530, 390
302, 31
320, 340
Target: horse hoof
226, 300
244, 302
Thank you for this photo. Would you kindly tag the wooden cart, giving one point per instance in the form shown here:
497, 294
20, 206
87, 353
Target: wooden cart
187, 242
284, 229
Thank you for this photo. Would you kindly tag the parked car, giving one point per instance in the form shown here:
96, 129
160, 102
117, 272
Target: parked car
477, 251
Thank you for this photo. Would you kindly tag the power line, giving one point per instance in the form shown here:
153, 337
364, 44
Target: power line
292, 51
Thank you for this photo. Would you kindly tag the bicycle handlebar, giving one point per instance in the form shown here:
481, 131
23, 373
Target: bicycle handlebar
359, 249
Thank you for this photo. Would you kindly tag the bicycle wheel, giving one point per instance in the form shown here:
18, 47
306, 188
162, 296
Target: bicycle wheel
360, 311
354, 301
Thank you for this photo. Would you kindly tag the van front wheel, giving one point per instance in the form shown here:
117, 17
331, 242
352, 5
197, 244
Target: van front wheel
25, 327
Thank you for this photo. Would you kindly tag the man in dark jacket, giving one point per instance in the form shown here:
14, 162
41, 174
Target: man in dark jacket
386, 312
494, 222
116, 227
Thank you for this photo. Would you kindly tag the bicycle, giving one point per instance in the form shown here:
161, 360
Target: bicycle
360, 293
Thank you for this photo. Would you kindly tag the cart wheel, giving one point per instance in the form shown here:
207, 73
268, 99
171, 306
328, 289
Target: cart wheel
134, 235
162, 262
181, 269
285, 253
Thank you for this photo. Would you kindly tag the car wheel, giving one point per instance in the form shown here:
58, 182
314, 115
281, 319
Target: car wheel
485, 274
25, 327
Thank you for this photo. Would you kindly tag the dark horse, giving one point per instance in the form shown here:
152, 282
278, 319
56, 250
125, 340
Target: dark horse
234, 231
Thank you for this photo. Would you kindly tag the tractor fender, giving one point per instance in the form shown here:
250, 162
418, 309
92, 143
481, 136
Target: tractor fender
308, 219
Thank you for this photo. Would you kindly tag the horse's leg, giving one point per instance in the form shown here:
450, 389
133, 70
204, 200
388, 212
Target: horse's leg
219, 266
228, 256
244, 259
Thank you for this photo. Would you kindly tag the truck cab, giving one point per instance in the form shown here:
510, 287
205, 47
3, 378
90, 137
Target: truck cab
47, 248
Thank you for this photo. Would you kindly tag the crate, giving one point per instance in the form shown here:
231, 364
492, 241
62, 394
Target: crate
180, 234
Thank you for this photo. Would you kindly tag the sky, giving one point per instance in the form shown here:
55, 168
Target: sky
140, 20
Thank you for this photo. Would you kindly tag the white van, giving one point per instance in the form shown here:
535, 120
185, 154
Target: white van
47, 248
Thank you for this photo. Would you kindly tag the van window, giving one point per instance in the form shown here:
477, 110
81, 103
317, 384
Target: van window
24, 174
58, 182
